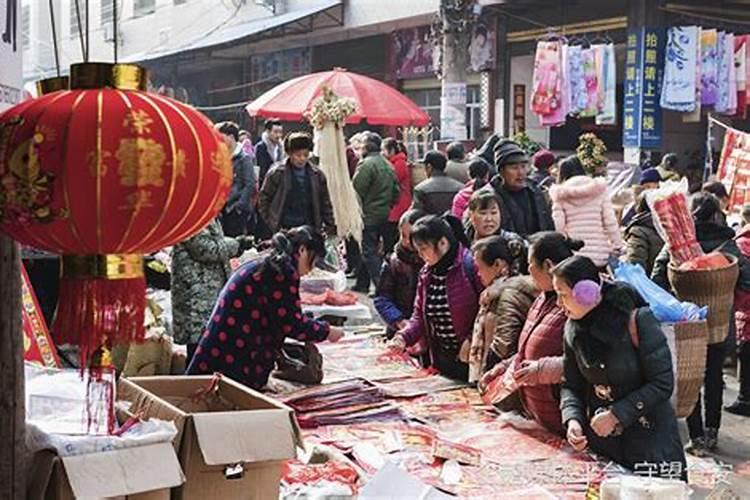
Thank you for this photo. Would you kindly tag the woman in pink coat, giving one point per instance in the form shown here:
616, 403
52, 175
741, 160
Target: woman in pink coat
582, 210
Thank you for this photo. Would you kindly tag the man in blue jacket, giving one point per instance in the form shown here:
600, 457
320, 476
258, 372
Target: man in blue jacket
238, 208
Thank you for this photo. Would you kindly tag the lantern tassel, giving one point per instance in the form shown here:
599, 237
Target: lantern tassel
95, 311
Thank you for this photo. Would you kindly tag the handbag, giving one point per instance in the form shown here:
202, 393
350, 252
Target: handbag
300, 363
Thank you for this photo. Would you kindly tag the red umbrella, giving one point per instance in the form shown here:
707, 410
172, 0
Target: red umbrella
377, 102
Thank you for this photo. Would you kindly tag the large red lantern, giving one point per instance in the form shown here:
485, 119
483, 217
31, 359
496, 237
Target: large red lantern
101, 174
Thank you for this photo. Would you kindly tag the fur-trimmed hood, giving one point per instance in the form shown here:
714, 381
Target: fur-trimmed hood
579, 190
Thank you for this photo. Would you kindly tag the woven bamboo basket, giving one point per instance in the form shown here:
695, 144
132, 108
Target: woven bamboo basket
690, 364
713, 288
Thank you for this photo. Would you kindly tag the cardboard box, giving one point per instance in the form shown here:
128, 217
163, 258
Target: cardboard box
233, 441
139, 473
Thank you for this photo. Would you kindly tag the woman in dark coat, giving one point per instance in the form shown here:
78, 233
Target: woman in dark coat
258, 308
618, 380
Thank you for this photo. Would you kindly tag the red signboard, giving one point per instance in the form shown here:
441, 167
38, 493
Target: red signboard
734, 168
37, 343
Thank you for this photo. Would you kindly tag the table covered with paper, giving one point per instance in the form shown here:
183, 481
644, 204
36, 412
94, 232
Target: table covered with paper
381, 427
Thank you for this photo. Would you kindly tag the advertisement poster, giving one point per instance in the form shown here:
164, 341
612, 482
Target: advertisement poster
280, 66
37, 343
453, 111
413, 53
10, 53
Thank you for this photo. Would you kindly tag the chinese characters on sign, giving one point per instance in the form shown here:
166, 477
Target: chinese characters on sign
519, 108
641, 109
452, 114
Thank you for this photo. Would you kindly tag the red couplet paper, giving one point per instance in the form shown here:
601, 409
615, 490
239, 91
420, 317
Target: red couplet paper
37, 343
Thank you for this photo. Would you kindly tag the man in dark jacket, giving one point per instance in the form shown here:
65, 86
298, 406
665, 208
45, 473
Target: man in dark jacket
295, 193
268, 151
238, 208
377, 187
435, 194
524, 209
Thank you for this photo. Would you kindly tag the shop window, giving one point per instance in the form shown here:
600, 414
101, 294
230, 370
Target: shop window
429, 101
144, 7
107, 11
26, 27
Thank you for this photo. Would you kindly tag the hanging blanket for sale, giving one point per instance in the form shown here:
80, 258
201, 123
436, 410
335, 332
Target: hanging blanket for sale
679, 90
740, 63
726, 98
545, 98
590, 82
709, 67
557, 116
577, 96
607, 87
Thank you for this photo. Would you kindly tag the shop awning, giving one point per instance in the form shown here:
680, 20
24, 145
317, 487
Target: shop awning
326, 14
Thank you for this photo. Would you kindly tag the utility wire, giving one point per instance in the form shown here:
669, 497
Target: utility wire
54, 36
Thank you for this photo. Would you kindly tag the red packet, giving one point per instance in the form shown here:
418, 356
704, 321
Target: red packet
459, 452
500, 388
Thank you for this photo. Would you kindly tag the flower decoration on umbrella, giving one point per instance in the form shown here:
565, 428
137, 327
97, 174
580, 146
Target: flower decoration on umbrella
330, 108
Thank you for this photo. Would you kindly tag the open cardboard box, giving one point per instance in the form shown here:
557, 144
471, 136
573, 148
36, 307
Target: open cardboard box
232, 441
140, 473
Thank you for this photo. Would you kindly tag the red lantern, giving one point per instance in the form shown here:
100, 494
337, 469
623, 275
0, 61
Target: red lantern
101, 174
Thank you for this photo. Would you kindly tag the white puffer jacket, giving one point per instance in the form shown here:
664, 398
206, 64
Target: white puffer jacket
582, 210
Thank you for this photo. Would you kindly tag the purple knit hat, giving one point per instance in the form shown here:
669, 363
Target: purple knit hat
543, 159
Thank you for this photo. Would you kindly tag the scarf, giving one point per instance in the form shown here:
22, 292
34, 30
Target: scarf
726, 98
274, 150
590, 82
545, 98
446, 261
577, 97
679, 87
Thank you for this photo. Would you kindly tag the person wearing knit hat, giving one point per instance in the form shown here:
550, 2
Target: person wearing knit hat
525, 210
542, 161
650, 178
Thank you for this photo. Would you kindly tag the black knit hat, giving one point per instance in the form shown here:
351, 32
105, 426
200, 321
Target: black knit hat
507, 152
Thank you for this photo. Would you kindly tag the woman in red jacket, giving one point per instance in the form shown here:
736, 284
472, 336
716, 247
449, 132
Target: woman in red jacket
537, 367
395, 152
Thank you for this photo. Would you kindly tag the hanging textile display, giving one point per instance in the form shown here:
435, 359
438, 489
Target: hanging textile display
577, 97
590, 83
709, 67
608, 95
557, 116
740, 63
726, 95
679, 87
546, 96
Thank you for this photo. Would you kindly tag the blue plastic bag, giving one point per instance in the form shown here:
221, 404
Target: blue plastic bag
665, 306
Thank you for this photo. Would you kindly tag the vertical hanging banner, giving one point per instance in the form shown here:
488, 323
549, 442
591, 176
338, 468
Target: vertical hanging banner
11, 47
734, 168
642, 116
37, 343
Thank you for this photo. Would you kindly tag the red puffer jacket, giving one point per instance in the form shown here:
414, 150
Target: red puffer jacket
401, 167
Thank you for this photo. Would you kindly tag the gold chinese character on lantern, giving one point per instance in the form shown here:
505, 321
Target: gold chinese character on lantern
180, 163
220, 159
138, 121
140, 162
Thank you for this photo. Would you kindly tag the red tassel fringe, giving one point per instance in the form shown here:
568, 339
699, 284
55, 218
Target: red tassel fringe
92, 311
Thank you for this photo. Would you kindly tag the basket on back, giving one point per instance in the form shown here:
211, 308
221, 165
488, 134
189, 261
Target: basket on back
713, 288
689, 358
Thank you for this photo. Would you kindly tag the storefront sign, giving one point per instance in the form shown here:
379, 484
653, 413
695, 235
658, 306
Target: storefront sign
10, 54
734, 168
413, 53
642, 120
519, 108
37, 343
453, 111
